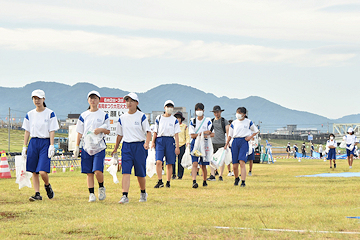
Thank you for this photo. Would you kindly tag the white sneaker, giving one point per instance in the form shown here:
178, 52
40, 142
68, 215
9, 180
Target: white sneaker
92, 197
124, 199
229, 175
232, 174
143, 197
250, 174
350, 167
102, 194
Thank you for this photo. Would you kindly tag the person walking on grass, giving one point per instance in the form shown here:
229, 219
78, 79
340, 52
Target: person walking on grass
221, 127
312, 149
351, 141
331, 149
241, 130
133, 128
303, 149
184, 141
288, 150
199, 125
166, 129
321, 150
96, 121
40, 124
296, 150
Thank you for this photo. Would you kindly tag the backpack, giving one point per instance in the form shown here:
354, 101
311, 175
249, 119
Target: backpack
222, 124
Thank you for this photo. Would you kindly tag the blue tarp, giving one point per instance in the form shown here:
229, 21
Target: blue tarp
343, 174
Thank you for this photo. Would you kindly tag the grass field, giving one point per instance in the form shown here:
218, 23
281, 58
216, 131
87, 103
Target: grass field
274, 198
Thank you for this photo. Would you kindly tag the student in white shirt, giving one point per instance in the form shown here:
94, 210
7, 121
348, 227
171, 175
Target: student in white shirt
133, 128
241, 130
351, 142
199, 125
166, 128
331, 145
97, 121
40, 124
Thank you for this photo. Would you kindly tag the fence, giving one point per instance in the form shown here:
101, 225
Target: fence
58, 162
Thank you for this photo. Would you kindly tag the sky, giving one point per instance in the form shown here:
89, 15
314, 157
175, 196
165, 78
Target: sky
303, 55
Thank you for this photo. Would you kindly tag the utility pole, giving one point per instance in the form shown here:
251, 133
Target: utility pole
9, 132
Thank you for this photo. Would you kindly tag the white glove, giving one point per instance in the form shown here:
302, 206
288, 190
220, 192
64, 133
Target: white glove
76, 152
24, 152
51, 151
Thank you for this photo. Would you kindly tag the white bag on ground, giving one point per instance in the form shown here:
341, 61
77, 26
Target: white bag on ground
228, 156
151, 163
113, 168
218, 158
186, 159
93, 143
209, 150
199, 146
22, 176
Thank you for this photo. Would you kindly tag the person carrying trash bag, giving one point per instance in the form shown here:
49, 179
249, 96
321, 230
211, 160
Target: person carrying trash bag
91, 126
221, 128
241, 130
351, 141
184, 141
331, 145
133, 128
166, 129
40, 124
199, 125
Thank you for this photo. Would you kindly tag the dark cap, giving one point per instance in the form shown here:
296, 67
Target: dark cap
180, 115
217, 108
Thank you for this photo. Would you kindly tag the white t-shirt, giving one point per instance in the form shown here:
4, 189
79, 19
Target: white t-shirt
166, 126
40, 124
331, 143
350, 139
206, 126
89, 121
241, 129
133, 127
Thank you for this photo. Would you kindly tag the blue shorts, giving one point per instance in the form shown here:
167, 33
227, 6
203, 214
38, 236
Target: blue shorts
165, 146
239, 150
331, 154
196, 159
134, 154
251, 157
90, 164
348, 152
37, 155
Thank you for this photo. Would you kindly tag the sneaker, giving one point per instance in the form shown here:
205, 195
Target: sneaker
350, 167
143, 197
173, 177
205, 184
229, 174
35, 198
159, 185
102, 194
195, 185
92, 197
232, 174
124, 199
49, 191
179, 178
220, 178
250, 174
167, 184
335, 165
211, 178
242, 185
216, 173
236, 183
330, 166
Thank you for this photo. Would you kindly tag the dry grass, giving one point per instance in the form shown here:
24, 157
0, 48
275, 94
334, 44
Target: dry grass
273, 198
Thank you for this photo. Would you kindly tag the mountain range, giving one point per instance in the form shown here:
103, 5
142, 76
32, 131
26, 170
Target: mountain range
65, 99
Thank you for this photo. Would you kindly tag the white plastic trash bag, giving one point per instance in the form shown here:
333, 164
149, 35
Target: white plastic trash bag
228, 156
113, 168
218, 158
93, 143
342, 144
151, 163
199, 146
22, 176
186, 161
209, 150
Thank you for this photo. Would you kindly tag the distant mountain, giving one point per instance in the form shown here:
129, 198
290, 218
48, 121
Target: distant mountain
65, 99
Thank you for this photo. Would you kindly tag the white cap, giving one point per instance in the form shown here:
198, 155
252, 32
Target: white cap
350, 130
94, 93
38, 93
131, 95
169, 102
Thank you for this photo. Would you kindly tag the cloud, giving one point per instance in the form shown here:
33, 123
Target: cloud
141, 47
278, 19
